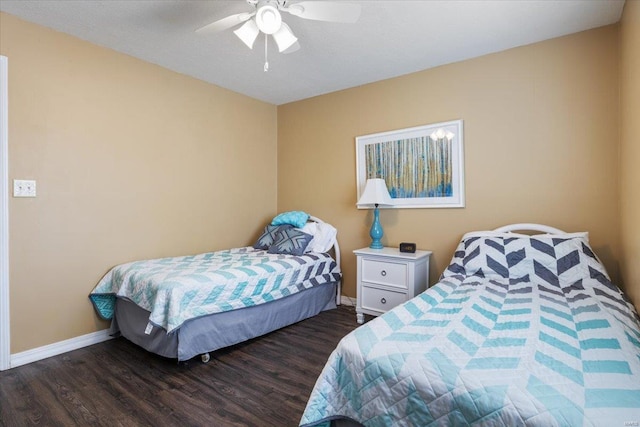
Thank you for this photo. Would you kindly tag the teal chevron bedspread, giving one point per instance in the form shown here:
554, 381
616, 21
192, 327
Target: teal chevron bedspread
519, 331
178, 289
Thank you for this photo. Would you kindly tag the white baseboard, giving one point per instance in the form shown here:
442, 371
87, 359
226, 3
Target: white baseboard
345, 300
57, 348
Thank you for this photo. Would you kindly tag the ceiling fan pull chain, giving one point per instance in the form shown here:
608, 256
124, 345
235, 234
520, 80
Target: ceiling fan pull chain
266, 59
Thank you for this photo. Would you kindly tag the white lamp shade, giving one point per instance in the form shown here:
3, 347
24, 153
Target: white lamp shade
294, 48
284, 37
248, 33
375, 193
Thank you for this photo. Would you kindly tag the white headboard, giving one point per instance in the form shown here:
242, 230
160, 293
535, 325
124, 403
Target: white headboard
529, 227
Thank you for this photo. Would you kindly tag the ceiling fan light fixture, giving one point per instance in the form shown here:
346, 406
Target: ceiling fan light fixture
268, 19
248, 33
284, 38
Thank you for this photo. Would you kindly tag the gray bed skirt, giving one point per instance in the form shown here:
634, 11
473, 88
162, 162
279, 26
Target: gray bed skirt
215, 331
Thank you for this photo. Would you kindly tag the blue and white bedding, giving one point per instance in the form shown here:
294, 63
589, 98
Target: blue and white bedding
519, 331
178, 289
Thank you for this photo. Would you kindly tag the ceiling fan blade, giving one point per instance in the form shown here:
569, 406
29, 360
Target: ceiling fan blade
325, 11
225, 23
284, 38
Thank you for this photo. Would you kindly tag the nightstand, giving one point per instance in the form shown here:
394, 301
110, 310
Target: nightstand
388, 277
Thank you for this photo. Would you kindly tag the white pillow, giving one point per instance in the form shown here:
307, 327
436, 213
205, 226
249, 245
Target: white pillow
584, 235
310, 228
323, 236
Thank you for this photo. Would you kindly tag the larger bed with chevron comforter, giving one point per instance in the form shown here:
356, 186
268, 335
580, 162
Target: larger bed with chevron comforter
520, 330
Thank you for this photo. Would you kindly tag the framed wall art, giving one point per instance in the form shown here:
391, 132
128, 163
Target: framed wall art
422, 166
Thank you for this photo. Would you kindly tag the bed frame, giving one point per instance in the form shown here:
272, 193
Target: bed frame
529, 227
205, 334
336, 256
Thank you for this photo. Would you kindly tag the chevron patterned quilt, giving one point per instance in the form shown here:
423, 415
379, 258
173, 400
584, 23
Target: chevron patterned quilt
177, 289
519, 331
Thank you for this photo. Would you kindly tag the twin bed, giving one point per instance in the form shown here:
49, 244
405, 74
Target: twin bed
520, 330
182, 307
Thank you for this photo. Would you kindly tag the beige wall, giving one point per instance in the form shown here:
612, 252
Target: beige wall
541, 145
131, 161
630, 148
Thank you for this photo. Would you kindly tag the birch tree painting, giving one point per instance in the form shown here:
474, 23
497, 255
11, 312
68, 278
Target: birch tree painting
422, 166
415, 167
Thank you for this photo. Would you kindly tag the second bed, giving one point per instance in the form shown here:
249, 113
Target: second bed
182, 307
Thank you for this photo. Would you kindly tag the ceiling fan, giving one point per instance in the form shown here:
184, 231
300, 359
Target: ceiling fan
266, 18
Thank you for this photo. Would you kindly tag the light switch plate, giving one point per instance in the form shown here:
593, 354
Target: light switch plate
24, 188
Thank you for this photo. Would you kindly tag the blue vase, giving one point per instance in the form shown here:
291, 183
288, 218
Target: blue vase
376, 231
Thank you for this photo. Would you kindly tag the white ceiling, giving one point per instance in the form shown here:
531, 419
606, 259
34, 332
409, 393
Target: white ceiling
390, 39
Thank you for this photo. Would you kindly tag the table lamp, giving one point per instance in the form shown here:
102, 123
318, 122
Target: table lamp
375, 193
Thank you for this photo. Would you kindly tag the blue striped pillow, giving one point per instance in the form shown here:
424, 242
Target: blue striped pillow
267, 238
290, 241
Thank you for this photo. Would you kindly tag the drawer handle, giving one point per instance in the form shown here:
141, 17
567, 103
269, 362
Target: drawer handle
383, 300
383, 273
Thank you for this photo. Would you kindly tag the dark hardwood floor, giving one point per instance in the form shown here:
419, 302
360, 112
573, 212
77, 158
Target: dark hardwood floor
263, 382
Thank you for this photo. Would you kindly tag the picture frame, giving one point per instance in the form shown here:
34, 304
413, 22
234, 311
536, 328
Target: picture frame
422, 166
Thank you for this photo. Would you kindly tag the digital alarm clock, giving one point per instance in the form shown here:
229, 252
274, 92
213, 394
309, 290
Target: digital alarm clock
408, 247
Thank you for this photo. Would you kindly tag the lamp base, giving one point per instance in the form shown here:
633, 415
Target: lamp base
376, 232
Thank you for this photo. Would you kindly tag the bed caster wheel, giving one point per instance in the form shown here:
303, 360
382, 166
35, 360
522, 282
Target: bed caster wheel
205, 357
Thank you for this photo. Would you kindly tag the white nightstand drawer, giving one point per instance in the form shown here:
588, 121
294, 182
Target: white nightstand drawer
387, 277
381, 300
384, 273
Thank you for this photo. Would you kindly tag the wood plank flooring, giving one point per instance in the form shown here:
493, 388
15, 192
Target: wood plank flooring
263, 382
